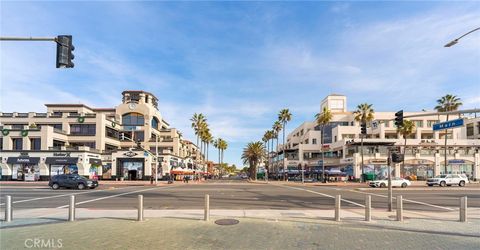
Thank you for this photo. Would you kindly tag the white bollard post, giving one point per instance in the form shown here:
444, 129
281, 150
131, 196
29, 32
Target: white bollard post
338, 199
140, 208
206, 215
399, 208
463, 209
71, 209
368, 208
8, 208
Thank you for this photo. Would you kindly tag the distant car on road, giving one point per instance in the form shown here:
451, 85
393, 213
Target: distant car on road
71, 181
396, 182
448, 180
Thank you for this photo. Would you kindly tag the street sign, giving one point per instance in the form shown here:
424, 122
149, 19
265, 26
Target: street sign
374, 124
448, 124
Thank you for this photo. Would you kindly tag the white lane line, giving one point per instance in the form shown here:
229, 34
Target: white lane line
407, 200
326, 195
115, 195
61, 195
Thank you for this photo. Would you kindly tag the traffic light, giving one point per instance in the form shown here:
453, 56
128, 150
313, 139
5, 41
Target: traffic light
363, 128
64, 51
399, 119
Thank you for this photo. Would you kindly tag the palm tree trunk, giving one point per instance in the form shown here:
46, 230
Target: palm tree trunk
323, 157
283, 162
363, 171
446, 134
404, 150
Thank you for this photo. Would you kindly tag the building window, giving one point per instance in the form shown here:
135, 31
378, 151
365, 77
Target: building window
314, 141
154, 123
139, 136
336, 104
470, 129
306, 141
17, 143
418, 123
18, 126
1, 143
387, 123
90, 144
110, 148
82, 129
430, 123
58, 144
35, 144
111, 133
57, 126
133, 119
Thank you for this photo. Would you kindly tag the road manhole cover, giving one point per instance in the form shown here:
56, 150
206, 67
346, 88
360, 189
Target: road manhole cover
226, 222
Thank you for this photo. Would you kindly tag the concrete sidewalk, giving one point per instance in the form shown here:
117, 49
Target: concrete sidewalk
249, 233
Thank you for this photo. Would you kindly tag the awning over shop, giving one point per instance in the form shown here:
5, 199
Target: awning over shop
94, 161
61, 160
23, 160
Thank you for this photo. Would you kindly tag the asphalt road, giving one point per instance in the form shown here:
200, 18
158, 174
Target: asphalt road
233, 195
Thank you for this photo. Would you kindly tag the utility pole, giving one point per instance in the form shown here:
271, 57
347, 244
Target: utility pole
389, 162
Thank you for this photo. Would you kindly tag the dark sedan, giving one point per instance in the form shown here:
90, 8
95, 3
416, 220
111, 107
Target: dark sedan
71, 181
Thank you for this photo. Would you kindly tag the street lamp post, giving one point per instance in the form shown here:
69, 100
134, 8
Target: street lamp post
455, 41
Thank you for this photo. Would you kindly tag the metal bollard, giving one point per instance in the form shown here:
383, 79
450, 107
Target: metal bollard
463, 209
399, 208
8, 208
140, 208
368, 208
206, 215
71, 209
338, 199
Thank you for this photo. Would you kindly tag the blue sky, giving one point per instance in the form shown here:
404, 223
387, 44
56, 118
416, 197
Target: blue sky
239, 63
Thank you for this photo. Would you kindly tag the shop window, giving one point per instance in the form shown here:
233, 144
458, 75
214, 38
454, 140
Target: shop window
82, 129
17, 143
133, 119
35, 144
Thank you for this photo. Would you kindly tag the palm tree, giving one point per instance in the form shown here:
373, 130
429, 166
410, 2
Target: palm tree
284, 116
276, 128
198, 121
364, 114
265, 140
406, 130
223, 146
323, 119
445, 104
253, 154
208, 139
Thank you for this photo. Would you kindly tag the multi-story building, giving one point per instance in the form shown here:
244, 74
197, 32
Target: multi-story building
112, 143
424, 150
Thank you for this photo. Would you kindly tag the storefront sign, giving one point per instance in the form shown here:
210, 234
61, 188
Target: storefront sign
130, 154
61, 160
456, 161
378, 161
23, 160
64, 154
24, 154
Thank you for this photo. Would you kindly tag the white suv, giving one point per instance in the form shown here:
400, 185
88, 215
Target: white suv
448, 180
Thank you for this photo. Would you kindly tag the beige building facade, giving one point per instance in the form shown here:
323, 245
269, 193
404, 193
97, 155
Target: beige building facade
424, 150
114, 143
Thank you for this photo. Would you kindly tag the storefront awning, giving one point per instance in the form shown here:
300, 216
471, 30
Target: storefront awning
23, 160
94, 161
61, 160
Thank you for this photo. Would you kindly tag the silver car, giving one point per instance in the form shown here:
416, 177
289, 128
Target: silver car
448, 180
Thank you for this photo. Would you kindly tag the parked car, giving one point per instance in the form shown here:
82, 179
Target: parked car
396, 182
448, 180
71, 181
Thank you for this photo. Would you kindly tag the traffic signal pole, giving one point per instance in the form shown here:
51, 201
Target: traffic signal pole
64, 47
54, 39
